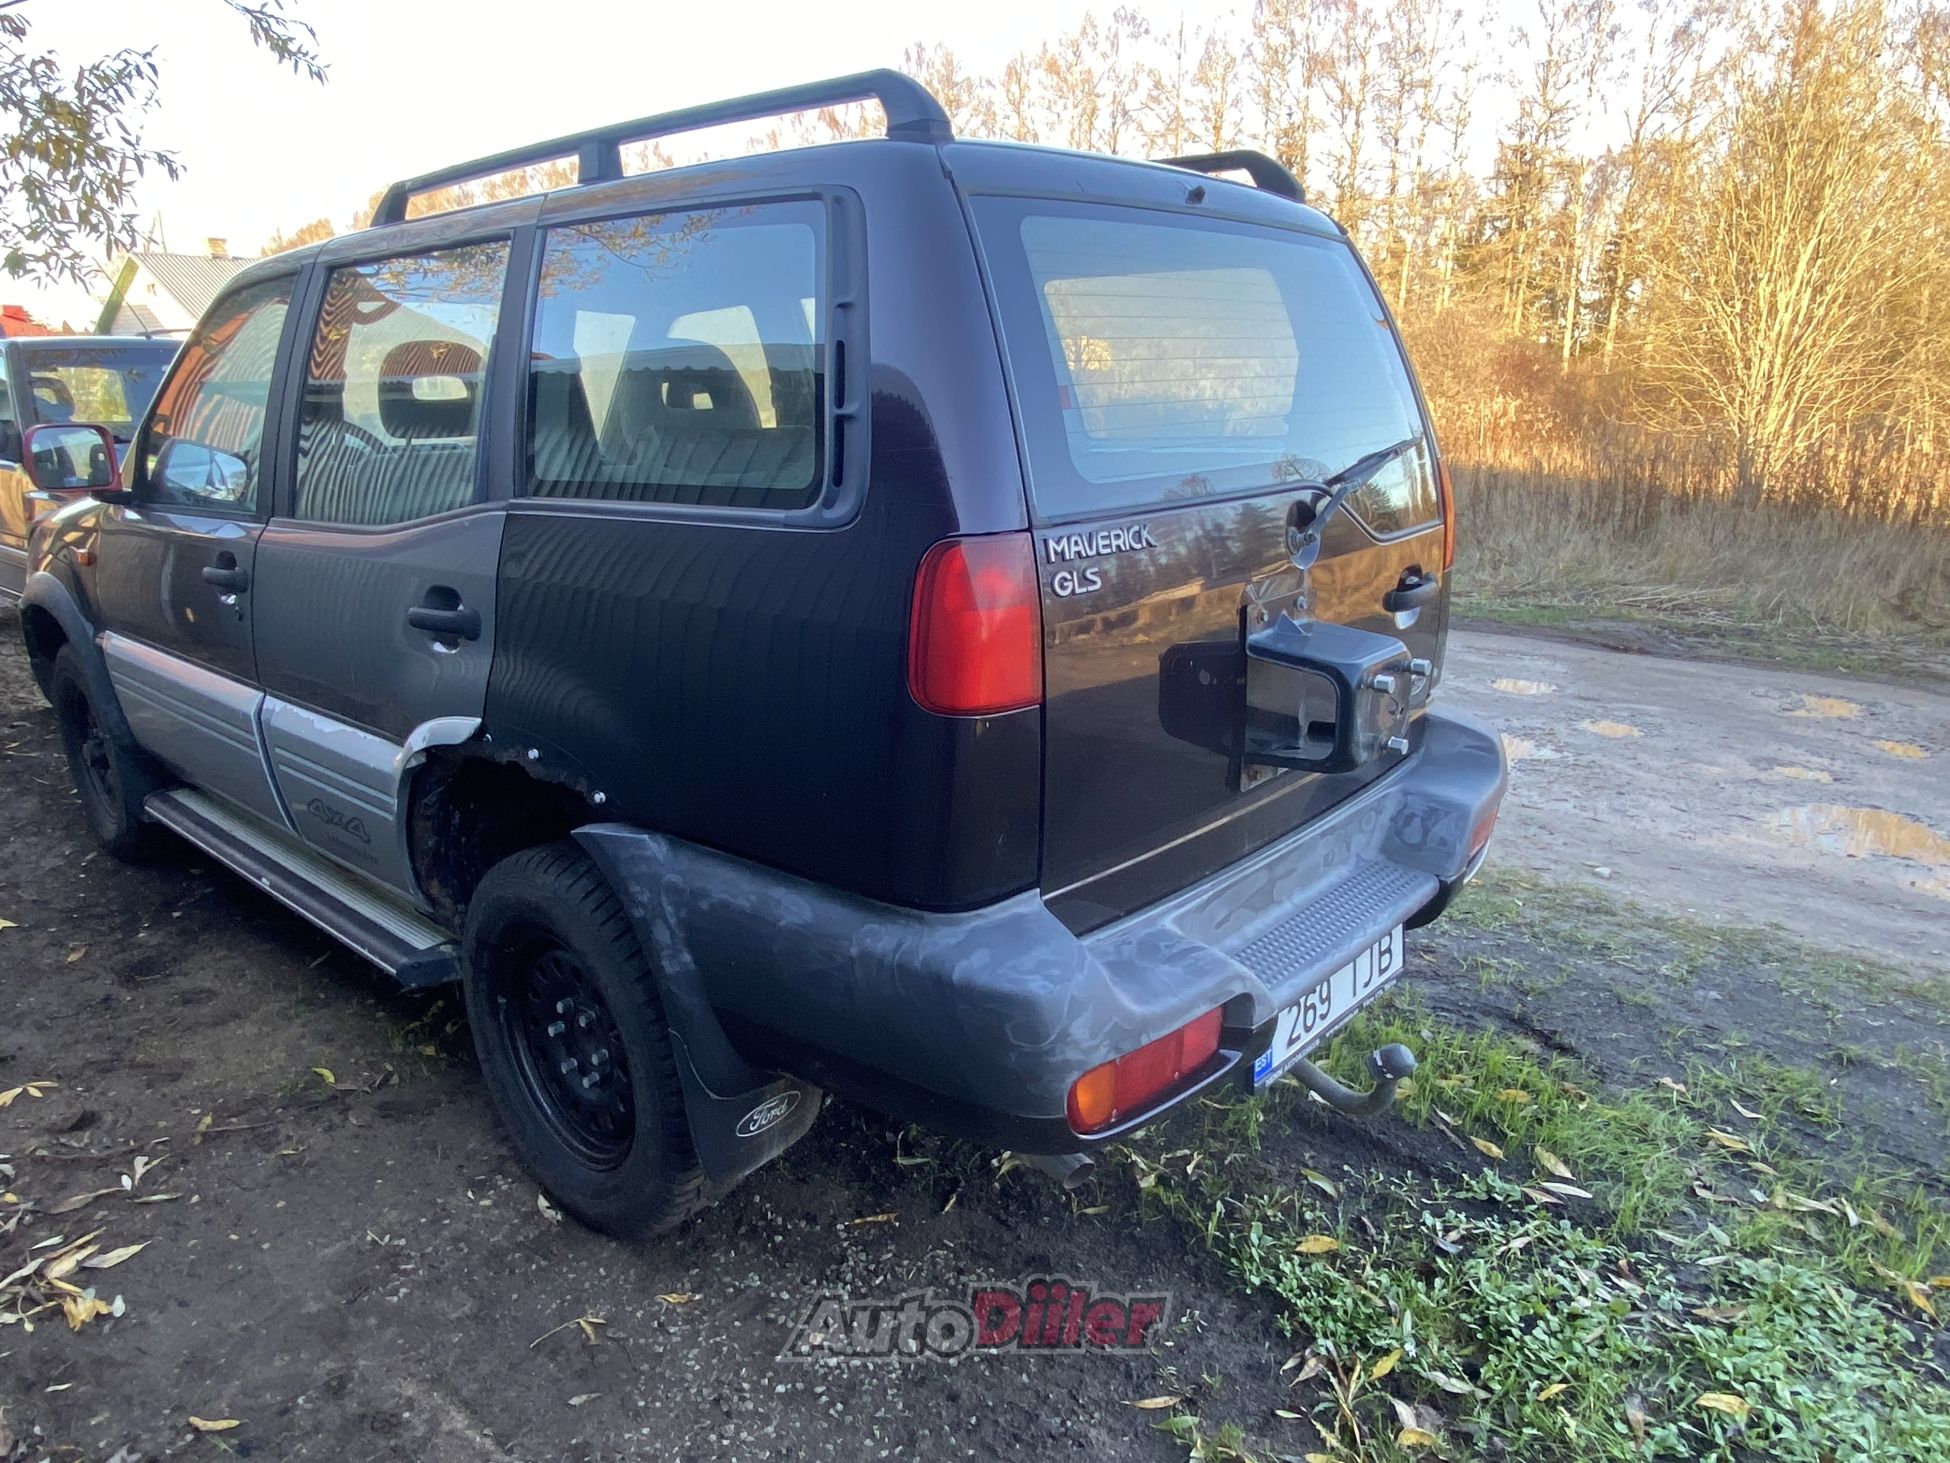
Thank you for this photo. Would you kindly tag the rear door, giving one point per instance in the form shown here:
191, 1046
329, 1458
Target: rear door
1187, 388
375, 606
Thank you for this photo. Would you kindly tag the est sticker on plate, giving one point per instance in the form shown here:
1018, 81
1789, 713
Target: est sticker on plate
1302, 1026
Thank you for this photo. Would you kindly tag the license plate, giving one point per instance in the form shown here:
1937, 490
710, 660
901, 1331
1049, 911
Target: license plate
1301, 1027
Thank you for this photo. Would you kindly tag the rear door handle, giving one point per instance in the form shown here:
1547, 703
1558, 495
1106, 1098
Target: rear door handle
461, 623
1411, 594
227, 577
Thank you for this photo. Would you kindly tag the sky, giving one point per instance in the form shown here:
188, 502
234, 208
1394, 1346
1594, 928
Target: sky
415, 84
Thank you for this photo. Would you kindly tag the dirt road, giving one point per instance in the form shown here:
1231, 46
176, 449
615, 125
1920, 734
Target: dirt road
1733, 794
343, 1255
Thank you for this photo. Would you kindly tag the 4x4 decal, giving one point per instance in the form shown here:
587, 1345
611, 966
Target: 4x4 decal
350, 824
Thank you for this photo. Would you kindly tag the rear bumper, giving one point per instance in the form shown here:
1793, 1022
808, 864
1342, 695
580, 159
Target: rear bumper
978, 1022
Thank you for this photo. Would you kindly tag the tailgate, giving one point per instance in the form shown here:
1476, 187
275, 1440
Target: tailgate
1220, 666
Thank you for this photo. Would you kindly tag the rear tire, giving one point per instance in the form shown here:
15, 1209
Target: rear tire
572, 1040
111, 780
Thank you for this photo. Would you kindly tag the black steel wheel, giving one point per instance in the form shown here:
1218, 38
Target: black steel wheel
568, 1050
111, 780
570, 1031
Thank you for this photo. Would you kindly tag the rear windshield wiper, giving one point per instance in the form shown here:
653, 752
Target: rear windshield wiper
1352, 478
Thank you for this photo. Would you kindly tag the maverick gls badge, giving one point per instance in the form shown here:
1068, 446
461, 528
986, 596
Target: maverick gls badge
1067, 548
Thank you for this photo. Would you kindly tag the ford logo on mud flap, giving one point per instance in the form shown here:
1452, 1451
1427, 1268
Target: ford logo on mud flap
768, 1114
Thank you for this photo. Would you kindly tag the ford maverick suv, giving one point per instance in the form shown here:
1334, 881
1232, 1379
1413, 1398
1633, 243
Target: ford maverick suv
946, 623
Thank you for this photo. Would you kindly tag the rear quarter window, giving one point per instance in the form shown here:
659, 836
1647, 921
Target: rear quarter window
677, 358
1159, 358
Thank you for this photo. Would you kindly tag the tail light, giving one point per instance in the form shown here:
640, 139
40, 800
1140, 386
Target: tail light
1446, 492
1116, 1089
975, 637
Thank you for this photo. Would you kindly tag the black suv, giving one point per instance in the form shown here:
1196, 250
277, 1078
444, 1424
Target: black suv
948, 623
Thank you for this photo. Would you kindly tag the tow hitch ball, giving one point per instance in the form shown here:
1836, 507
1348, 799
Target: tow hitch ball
1387, 1066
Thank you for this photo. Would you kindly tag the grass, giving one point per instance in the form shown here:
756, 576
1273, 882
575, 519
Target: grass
1819, 590
1700, 1284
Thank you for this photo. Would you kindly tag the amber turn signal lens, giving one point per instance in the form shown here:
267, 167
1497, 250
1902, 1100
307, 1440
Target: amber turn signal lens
1093, 1099
1133, 1081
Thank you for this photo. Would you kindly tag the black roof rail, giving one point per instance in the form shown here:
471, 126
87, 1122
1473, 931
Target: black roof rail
913, 115
1268, 174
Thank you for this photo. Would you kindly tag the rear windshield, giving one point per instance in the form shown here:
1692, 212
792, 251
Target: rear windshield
1159, 357
106, 385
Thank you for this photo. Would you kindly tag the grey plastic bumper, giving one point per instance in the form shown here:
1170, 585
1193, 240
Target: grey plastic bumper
996, 1011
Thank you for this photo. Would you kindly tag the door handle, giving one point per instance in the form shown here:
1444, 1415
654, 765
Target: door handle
460, 623
227, 577
1411, 594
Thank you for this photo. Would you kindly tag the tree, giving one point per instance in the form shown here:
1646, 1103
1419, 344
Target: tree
1787, 307
74, 153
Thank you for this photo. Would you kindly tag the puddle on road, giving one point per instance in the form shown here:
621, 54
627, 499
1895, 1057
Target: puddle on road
1514, 687
1805, 774
1902, 749
1828, 708
1611, 728
1517, 749
1837, 828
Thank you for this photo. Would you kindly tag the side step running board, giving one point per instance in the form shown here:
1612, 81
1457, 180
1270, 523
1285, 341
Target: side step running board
398, 939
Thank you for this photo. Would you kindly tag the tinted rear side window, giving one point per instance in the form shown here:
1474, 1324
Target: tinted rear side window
1159, 357
678, 359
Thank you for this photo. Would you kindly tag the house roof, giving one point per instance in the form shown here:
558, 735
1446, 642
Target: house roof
191, 280
15, 321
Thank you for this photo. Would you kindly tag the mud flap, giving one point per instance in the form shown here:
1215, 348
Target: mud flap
740, 1116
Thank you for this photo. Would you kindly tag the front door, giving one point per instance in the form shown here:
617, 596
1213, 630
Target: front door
375, 625
176, 574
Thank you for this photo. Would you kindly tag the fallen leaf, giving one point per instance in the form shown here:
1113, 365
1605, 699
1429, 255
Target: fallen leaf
1635, 1418
1515, 1095
1415, 1437
1318, 1244
76, 953
677, 1298
1940, 1282
7, 924
115, 1257
1155, 1404
1568, 1191
64, 1264
1320, 1181
326, 1073
1734, 1407
1386, 1365
1679, 1087
549, 1211
1289, 1416
887, 1218
202, 1127
1541, 1196
1551, 1163
1551, 1391
582, 1397
1728, 1141
81, 1308
1487, 1148
1719, 1313
214, 1425
1748, 1113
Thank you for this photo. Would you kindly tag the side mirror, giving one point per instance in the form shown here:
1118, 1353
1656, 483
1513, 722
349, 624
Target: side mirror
70, 458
